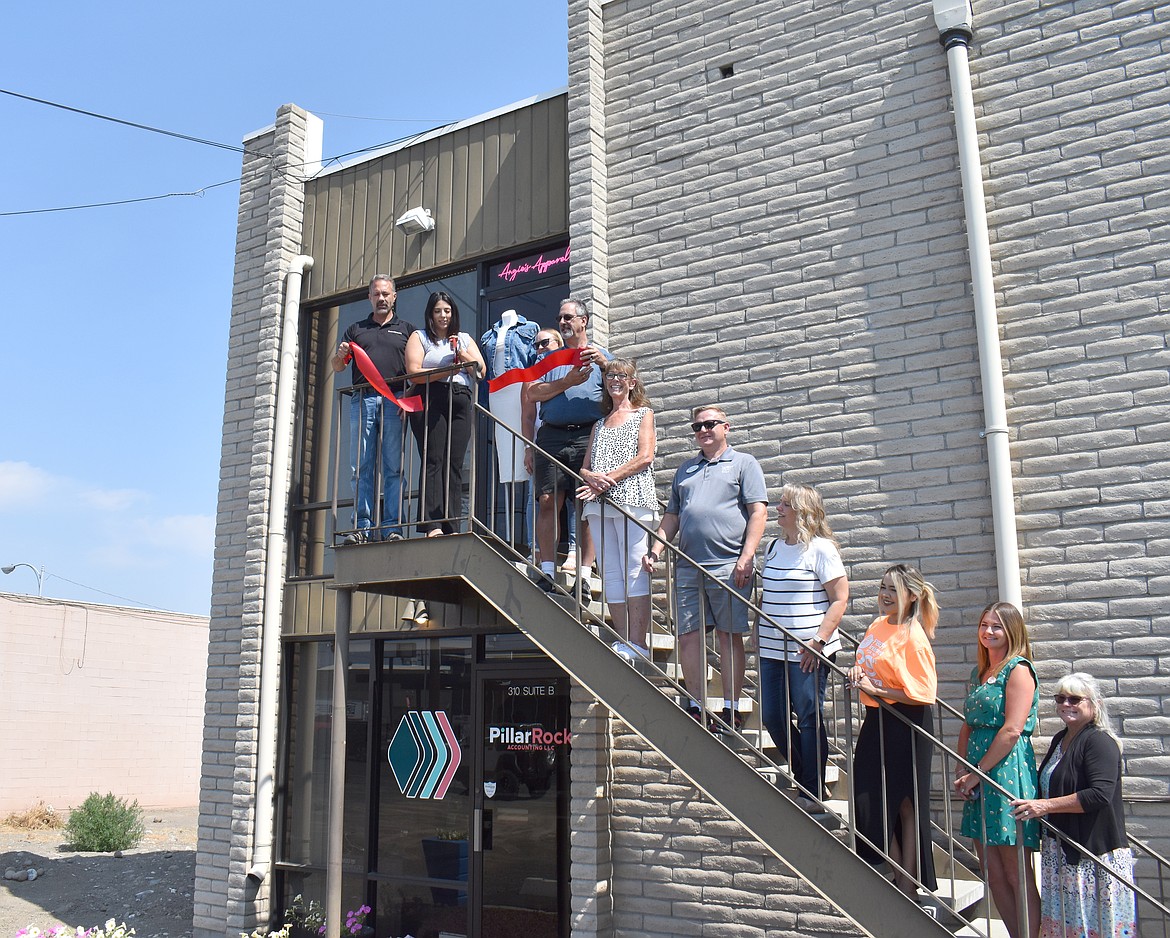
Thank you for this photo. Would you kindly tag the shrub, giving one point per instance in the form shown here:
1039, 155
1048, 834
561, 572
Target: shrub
103, 824
39, 817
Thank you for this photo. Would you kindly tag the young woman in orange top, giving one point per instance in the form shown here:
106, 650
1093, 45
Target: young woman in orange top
891, 762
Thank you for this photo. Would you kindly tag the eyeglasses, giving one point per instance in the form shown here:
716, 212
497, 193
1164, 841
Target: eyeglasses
707, 425
1072, 700
543, 343
617, 376
565, 317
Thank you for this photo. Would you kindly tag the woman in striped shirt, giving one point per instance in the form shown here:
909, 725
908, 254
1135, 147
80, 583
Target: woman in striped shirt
805, 593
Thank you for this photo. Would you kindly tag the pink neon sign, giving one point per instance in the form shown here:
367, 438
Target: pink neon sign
538, 265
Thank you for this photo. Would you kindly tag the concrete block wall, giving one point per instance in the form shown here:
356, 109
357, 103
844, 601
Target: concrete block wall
785, 233
591, 870
682, 866
589, 274
142, 700
1076, 114
269, 236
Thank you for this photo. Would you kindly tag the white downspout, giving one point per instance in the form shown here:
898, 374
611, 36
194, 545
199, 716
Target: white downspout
265, 807
953, 18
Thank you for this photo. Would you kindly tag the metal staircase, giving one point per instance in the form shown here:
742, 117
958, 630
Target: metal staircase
456, 567
488, 565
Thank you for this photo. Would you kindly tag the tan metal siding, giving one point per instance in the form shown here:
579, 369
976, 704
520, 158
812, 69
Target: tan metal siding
491, 186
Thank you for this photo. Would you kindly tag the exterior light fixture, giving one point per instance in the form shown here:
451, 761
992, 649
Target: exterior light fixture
415, 221
40, 574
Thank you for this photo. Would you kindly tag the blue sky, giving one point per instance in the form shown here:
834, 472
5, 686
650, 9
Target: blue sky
115, 326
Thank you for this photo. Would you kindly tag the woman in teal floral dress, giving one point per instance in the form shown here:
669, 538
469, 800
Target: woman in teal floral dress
999, 718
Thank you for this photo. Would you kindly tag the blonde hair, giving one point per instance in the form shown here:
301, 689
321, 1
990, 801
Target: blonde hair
712, 407
908, 580
1081, 684
627, 366
810, 512
1012, 621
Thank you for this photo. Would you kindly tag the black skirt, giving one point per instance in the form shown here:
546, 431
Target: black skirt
908, 756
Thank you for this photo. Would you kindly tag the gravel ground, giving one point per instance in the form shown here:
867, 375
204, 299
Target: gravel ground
149, 888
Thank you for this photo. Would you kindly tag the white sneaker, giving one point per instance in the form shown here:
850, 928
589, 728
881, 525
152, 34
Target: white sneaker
622, 650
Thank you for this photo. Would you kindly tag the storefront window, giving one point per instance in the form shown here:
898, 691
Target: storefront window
303, 855
424, 799
306, 799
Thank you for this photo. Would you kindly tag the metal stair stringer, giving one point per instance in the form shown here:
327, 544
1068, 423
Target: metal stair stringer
418, 567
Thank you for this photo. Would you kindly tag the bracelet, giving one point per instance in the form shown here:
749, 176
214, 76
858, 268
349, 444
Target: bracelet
653, 556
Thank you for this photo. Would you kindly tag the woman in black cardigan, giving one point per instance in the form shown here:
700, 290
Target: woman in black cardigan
1080, 784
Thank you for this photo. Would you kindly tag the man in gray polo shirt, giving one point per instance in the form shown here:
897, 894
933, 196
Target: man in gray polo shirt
718, 505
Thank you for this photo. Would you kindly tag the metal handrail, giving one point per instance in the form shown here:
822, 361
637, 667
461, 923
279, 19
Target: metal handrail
483, 522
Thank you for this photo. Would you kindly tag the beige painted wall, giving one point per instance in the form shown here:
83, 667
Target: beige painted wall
99, 698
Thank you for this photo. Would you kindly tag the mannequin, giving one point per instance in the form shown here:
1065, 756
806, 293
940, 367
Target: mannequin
504, 351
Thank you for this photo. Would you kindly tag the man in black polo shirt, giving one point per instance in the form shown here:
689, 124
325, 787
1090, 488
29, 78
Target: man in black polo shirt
375, 424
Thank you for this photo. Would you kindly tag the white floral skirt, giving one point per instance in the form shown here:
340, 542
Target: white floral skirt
1084, 901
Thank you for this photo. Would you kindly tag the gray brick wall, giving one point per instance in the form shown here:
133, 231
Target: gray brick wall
789, 242
269, 232
590, 818
682, 866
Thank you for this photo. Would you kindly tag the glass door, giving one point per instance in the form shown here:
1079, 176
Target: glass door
423, 802
521, 806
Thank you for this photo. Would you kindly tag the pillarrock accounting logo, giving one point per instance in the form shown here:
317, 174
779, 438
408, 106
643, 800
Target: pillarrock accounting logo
532, 736
424, 754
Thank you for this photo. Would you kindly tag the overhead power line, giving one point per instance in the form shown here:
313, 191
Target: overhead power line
125, 123
192, 139
146, 198
94, 589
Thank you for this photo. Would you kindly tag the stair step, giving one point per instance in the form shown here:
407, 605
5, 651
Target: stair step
715, 704
661, 641
674, 670
998, 929
959, 893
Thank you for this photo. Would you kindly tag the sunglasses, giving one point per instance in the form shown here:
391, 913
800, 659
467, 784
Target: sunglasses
543, 343
1072, 700
707, 425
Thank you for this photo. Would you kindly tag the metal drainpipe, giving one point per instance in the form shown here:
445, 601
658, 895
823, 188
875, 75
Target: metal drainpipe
954, 21
265, 807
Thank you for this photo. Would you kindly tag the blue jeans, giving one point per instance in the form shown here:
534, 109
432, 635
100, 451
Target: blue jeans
787, 691
375, 427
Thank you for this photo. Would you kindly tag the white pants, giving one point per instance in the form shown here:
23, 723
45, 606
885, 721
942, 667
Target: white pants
621, 546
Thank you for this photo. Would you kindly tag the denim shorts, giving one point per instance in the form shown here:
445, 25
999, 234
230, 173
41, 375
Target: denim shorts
569, 447
719, 608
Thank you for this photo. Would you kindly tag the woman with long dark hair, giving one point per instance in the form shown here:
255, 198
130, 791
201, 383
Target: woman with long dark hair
443, 428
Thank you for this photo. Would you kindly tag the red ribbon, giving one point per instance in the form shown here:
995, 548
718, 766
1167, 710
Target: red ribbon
563, 356
371, 374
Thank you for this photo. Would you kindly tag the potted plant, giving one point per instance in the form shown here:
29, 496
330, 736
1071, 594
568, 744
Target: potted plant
307, 920
355, 923
446, 858
304, 919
